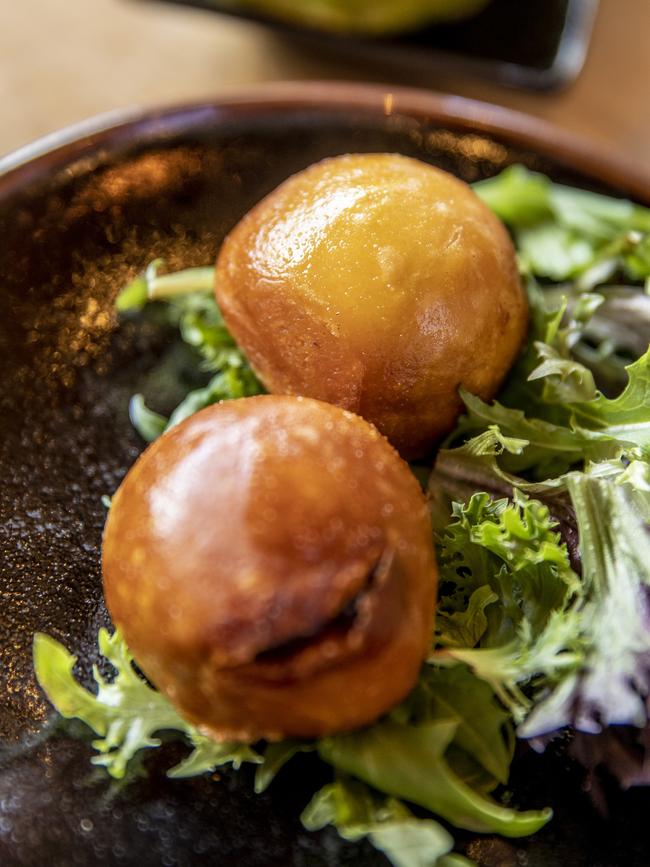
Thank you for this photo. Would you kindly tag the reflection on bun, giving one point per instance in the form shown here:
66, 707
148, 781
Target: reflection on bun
270, 564
380, 284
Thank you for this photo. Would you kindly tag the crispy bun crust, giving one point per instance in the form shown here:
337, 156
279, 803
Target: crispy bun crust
270, 564
378, 283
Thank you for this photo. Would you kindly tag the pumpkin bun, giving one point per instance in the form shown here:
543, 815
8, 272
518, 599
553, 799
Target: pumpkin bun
378, 283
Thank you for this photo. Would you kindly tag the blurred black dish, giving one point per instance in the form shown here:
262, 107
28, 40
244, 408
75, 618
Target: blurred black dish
538, 44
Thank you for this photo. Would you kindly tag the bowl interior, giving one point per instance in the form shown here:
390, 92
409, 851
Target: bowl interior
76, 225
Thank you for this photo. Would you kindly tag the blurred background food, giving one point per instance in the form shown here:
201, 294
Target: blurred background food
361, 16
396, 280
62, 62
539, 43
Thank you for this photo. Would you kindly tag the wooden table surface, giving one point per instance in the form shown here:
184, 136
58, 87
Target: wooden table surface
62, 62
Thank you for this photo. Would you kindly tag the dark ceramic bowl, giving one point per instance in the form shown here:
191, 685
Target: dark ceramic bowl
80, 214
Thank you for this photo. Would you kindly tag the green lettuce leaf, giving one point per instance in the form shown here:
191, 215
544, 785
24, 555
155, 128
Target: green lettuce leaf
232, 382
154, 286
460, 472
513, 547
408, 762
149, 424
509, 582
276, 757
474, 468
198, 318
484, 731
554, 251
598, 428
558, 330
539, 662
626, 417
190, 307
466, 628
466, 734
551, 448
133, 296
208, 754
566, 380
561, 232
356, 813
519, 197
125, 712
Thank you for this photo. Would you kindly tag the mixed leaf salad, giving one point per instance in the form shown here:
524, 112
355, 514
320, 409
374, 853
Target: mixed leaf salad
540, 507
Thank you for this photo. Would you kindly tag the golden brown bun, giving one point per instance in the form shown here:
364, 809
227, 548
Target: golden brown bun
380, 284
270, 564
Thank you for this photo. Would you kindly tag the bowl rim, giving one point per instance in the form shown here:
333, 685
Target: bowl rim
111, 130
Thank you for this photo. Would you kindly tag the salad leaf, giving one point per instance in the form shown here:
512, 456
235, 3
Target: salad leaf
275, 758
149, 424
468, 737
611, 686
520, 533
356, 812
201, 326
566, 380
408, 761
466, 628
554, 251
484, 729
540, 660
191, 308
551, 448
617, 333
601, 327
586, 655
134, 295
626, 417
503, 543
558, 331
458, 473
509, 581
561, 232
234, 381
598, 428
208, 754
519, 197
125, 712
152, 286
